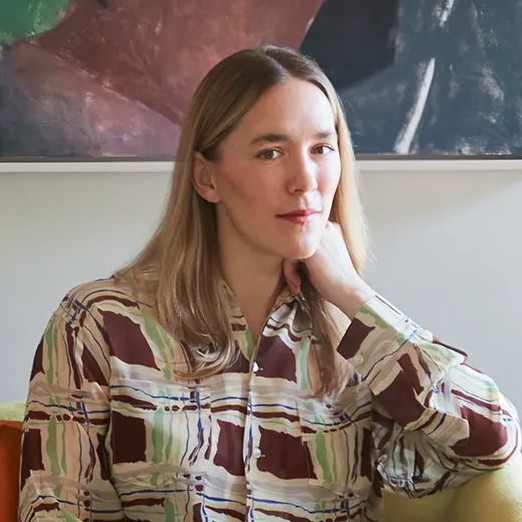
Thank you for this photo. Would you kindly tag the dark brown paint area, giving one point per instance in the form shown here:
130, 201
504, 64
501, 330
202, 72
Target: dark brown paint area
117, 80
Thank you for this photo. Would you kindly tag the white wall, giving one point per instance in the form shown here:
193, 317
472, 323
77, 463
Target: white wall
446, 243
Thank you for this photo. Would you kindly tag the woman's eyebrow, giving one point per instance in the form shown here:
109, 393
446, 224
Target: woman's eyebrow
269, 138
278, 138
323, 135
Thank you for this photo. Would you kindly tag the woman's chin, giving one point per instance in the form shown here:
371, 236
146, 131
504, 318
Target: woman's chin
301, 251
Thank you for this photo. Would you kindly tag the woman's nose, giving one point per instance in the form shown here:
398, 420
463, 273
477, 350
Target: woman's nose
303, 174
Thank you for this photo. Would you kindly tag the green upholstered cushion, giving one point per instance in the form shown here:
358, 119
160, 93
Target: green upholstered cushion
12, 410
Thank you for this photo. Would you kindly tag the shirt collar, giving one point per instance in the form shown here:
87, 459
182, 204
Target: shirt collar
285, 297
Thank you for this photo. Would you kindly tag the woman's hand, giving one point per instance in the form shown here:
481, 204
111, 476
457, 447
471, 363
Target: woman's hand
330, 270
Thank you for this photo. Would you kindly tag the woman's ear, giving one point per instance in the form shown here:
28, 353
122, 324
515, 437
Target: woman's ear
203, 178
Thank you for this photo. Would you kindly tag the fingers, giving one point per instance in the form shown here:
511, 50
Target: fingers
292, 277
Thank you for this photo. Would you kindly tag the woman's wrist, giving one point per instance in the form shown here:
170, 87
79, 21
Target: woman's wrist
352, 298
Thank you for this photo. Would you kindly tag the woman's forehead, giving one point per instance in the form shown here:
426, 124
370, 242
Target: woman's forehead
287, 109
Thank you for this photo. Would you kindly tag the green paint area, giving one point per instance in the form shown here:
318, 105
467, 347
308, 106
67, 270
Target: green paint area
51, 447
321, 454
26, 18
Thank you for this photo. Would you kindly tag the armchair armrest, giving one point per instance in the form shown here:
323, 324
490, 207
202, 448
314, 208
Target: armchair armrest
492, 496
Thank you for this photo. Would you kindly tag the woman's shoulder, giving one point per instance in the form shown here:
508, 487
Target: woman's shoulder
102, 294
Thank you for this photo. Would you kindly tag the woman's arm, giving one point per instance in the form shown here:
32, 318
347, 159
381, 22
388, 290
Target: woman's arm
64, 472
438, 420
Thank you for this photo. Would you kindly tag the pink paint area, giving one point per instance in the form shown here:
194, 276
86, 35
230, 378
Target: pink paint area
117, 81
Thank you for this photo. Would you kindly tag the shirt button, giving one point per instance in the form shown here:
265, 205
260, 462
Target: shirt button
255, 367
257, 453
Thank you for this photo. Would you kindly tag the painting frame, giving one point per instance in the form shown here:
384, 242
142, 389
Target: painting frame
364, 164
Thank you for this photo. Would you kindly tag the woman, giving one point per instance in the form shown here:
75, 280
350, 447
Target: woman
240, 368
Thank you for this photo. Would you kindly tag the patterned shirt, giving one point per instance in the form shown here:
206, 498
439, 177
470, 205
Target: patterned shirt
111, 433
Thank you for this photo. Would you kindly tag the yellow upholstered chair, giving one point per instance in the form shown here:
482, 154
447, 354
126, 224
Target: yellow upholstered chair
495, 496
492, 497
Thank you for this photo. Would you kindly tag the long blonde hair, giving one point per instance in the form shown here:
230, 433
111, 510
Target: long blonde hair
186, 291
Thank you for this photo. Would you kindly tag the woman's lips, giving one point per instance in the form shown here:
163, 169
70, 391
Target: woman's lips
301, 216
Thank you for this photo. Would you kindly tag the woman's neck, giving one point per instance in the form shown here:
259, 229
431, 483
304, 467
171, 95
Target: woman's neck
255, 280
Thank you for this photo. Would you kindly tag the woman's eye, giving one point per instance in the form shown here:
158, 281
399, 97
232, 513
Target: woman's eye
323, 149
269, 154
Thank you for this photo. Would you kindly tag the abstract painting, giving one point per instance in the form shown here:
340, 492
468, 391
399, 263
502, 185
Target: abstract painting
425, 77
91, 79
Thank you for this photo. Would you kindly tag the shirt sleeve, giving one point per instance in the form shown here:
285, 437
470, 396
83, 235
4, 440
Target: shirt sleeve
64, 473
438, 421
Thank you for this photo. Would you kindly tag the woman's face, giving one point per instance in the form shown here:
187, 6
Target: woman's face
277, 172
